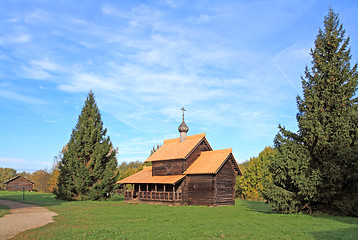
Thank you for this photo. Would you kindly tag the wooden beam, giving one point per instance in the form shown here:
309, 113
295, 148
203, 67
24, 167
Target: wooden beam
173, 192
215, 198
133, 186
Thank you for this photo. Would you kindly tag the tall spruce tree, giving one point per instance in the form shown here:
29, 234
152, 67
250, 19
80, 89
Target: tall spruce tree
88, 166
318, 165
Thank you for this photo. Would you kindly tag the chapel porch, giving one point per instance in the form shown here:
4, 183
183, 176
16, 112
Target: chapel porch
143, 186
153, 192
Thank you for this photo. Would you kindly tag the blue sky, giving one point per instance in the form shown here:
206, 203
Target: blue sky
234, 65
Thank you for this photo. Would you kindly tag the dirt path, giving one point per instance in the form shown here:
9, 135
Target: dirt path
23, 217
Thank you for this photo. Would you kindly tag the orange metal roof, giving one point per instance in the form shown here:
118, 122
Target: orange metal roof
174, 149
210, 162
145, 176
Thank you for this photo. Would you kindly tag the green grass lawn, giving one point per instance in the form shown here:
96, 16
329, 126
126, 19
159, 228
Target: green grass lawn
4, 210
117, 220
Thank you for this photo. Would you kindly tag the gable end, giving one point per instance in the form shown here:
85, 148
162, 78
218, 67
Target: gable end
202, 146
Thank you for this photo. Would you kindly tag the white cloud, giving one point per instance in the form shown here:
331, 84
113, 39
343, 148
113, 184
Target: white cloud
35, 73
20, 38
41, 69
138, 16
13, 19
294, 52
21, 98
44, 69
47, 65
38, 16
136, 146
17, 37
82, 82
86, 44
172, 3
108, 9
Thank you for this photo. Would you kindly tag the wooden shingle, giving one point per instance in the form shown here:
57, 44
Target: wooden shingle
174, 149
210, 162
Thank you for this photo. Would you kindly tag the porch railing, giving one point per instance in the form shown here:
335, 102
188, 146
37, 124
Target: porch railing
153, 195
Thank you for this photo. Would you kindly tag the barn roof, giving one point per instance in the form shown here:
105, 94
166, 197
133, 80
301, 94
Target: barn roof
145, 176
210, 162
18, 176
174, 149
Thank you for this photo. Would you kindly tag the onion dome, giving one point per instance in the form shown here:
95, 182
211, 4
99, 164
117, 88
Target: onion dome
183, 127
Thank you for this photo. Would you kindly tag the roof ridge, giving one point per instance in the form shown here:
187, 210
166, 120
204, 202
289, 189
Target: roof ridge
17, 176
174, 149
219, 150
201, 135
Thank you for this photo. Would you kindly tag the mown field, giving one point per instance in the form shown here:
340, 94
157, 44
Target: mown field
117, 220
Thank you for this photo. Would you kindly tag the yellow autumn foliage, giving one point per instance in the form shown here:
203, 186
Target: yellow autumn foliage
255, 172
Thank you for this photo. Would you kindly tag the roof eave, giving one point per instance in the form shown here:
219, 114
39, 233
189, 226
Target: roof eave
167, 159
206, 173
133, 182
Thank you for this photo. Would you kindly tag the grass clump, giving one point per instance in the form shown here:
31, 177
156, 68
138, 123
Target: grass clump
118, 220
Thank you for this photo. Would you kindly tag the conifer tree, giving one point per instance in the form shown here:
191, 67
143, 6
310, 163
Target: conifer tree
319, 165
88, 166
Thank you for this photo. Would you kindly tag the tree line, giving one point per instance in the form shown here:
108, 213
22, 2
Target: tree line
46, 181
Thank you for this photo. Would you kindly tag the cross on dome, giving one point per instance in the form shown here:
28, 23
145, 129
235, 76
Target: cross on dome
183, 109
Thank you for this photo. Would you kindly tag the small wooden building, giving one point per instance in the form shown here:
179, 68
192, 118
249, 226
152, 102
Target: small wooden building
19, 183
186, 171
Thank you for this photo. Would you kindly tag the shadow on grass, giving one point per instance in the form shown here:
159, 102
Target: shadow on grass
344, 233
349, 228
347, 233
257, 206
346, 227
43, 199
39, 199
